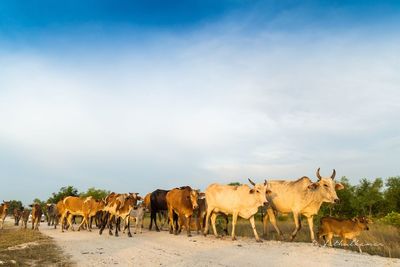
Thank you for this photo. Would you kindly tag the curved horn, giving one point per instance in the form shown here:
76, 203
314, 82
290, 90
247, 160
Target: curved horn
333, 174
265, 182
318, 175
253, 183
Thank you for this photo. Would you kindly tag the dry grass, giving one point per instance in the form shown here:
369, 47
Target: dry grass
381, 239
41, 252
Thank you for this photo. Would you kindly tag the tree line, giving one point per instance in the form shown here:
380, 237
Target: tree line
373, 198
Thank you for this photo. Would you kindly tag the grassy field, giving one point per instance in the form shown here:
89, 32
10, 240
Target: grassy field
381, 239
24, 247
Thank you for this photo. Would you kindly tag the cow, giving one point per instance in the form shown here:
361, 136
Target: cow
36, 215
3, 212
17, 213
146, 201
181, 201
90, 208
118, 208
300, 197
240, 201
51, 212
25, 218
77, 206
72, 206
344, 228
158, 204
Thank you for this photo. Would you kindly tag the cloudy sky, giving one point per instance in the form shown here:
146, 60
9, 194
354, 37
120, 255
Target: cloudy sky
128, 96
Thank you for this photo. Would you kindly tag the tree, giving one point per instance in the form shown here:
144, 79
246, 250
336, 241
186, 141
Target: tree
392, 194
14, 204
235, 184
64, 192
95, 193
369, 196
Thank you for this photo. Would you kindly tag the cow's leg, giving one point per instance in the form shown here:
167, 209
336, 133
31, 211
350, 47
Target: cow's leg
151, 220
354, 241
129, 227
310, 221
234, 220
253, 225
172, 227
103, 222
272, 218
207, 218
329, 237
69, 220
226, 224
155, 222
188, 220
117, 225
213, 224
82, 222
297, 223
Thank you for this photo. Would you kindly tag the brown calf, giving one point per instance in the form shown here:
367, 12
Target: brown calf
182, 202
344, 228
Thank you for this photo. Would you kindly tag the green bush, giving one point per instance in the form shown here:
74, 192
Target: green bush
392, 218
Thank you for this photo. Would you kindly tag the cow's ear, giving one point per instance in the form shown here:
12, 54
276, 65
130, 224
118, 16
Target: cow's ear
339, 186
251, 191
313, 186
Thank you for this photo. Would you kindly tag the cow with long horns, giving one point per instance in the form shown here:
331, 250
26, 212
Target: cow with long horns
300, 197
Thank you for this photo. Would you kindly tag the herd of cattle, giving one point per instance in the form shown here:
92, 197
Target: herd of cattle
187, 208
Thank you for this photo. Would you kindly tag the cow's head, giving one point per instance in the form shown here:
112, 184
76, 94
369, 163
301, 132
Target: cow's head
361, 222
260, 191
194, 195
327, 187
6, 205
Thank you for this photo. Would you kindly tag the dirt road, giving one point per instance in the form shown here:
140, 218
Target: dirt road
163, 249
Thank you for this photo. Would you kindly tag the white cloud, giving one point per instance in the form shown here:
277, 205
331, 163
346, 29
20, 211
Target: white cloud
205, 108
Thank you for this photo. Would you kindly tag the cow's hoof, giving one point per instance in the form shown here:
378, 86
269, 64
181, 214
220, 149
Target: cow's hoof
234, 238
259, 240
158, 230
129, 234
189, 235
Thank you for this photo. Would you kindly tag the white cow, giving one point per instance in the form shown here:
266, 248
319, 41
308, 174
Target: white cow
240, 201
300, 197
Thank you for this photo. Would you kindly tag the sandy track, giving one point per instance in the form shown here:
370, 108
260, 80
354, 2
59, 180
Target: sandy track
163, 249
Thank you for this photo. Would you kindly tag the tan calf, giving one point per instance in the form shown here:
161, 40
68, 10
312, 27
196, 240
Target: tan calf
344, 228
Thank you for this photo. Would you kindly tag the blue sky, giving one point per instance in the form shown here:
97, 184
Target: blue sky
139, 95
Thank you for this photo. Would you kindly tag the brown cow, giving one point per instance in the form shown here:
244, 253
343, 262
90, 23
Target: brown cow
344, 228
17, 213
118, 208
3, 212
36, 215
181, 201
25, 218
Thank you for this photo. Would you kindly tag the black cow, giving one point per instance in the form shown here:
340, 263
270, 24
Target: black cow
158, 205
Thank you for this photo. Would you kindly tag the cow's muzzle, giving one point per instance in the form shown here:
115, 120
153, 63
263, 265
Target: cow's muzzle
266, 203
195, 207
336, 200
